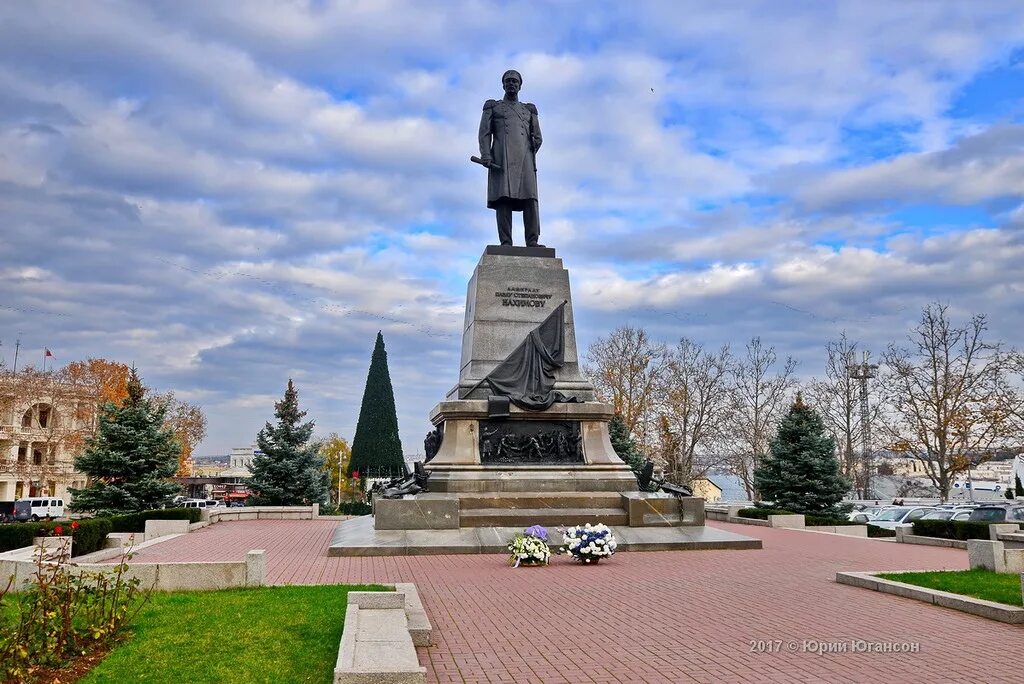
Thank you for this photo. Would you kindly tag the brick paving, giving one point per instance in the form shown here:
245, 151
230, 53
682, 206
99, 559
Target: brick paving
671, 616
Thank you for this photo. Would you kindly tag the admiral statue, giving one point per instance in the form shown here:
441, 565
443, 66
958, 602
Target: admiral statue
509, 140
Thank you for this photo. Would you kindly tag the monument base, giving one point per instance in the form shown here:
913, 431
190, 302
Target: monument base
358, 537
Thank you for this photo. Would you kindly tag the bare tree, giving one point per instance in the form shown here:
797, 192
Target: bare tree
627, 370
836, 398
693, 417
761, 387
947, 394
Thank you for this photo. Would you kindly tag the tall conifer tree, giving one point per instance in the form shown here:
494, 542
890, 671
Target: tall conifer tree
288, 470
130, 458
376, 448
802, 472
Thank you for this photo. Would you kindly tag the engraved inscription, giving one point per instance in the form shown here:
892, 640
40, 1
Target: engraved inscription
523, 296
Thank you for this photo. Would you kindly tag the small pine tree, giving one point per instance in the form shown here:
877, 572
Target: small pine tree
376, 448
623, 443
1018, 488
288, 470
130, 458
801, 474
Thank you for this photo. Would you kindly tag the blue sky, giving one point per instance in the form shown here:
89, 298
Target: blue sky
230, 195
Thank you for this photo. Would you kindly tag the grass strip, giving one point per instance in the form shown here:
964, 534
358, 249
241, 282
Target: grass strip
270, 634
984, 584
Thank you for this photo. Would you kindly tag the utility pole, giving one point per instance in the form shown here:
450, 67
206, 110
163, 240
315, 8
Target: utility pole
863, 372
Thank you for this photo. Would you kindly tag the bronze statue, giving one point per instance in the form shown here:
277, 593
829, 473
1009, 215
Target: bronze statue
509, 140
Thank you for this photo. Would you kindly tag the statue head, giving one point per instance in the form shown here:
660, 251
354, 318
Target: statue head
511, 81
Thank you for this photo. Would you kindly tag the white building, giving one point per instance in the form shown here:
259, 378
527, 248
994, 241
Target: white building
43, 426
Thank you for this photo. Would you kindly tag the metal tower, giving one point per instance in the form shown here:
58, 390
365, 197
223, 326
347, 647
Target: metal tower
863, 372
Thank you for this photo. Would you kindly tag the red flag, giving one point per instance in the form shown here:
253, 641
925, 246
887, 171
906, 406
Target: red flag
48, 353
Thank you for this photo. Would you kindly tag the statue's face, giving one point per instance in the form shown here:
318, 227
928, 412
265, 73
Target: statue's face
511, 85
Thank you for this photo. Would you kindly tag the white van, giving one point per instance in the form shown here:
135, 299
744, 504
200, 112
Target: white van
38, 509
198, 503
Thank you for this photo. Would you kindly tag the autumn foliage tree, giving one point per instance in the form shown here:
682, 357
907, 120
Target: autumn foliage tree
107, 379
336, 454
188, 423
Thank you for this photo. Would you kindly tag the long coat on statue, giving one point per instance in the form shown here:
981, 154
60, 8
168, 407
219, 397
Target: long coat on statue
510, 136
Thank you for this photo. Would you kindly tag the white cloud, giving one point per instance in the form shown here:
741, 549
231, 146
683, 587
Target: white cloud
231, 198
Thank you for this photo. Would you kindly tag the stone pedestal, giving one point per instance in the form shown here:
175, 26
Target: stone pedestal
512, 291
501, 465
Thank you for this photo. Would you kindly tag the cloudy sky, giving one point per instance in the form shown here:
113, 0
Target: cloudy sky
229, 194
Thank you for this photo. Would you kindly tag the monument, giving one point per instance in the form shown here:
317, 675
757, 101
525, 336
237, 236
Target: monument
520, 439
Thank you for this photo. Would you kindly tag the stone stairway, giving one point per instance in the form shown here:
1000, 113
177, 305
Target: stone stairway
522, 509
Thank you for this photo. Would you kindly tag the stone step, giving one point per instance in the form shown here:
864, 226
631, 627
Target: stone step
525, 517
518, 500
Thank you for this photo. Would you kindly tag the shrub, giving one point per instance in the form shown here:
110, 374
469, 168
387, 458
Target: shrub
136, 522
18, 535
952, 529
762, 512
811, 520
826, 521
876, 531
346, 508
63, 615
90, 534
354, 508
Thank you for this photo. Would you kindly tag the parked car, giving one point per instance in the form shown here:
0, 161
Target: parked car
868, 514
6, 511
947, 514
196, 503
899, 515
994, 513
38, 509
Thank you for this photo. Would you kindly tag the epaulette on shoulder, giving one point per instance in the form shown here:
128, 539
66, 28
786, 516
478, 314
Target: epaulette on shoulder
490, 104
532, 107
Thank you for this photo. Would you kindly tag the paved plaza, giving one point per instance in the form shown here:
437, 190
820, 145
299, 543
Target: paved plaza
671, 616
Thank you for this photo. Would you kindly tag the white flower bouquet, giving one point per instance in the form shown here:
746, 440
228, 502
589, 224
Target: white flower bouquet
529, 548
589, 543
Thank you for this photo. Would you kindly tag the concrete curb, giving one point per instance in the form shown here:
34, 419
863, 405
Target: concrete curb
378, 644
967, 604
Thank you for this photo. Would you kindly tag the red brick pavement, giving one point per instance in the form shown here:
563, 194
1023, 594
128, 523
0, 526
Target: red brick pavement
653, 617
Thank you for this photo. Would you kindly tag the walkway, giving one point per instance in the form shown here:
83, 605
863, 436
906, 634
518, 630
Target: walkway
672, 616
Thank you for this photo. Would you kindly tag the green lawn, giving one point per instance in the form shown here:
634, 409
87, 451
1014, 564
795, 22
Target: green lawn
273, 634
984, 584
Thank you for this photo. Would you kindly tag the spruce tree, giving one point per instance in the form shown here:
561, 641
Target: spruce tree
623, 444
288, 469
130, 457
1018, 488
376, 448
801, 473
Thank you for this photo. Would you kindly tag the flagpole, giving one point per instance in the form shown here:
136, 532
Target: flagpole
44, 359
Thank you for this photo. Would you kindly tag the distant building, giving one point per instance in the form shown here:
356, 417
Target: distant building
707, 490
215, 482
239, 462
43, 426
